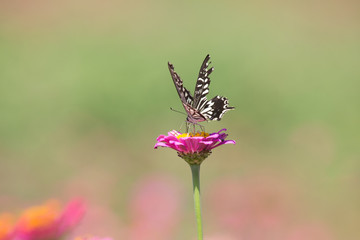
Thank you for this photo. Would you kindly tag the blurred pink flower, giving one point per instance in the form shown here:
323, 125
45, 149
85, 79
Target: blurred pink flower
221, 237
154, 210
113, 226
92, 238
261, 208
49, 220
257, 208
193, 148
6, 226
310, 231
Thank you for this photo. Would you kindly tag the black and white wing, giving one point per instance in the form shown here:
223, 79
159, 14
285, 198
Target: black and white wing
215, 108
202, 84
184, 94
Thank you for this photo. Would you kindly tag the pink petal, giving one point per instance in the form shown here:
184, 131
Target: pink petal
160, 144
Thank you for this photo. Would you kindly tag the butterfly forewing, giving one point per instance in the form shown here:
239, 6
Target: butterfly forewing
202, 84
184, 94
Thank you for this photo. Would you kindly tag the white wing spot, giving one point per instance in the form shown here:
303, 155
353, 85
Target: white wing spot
206, 109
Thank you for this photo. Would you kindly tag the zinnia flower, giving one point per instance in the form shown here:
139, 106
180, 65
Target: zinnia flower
49, 221
193, 148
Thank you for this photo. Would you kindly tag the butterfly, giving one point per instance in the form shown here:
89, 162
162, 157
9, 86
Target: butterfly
197, 107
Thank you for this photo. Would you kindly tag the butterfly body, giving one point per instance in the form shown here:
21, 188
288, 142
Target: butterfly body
197, 107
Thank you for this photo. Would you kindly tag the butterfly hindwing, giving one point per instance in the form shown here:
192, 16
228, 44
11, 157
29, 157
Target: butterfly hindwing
215, 108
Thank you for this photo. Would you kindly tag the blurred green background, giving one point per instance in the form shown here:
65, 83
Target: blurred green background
85, 91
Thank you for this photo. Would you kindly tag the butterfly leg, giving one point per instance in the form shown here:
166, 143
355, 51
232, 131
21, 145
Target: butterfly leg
192, 126
202, 128
187, 126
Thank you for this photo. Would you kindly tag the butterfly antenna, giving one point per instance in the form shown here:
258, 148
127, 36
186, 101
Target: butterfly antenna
177, 111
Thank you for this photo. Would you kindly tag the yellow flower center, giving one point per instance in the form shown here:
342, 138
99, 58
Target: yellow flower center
6, 224
41, 216
198, 134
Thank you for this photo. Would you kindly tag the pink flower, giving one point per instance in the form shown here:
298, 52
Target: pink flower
154, 209
257, 207
92, 238
193, 148
311, 231
49, 221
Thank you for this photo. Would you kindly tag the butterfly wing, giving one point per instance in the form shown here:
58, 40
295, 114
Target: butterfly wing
184, 94
215, 108
202, 84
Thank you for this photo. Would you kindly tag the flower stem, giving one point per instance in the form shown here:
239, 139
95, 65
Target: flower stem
195, 170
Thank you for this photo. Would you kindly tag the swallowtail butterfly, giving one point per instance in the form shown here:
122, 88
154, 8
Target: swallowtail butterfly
197, 107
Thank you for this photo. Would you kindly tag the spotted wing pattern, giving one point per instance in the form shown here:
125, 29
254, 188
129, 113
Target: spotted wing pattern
215, 108
202, 84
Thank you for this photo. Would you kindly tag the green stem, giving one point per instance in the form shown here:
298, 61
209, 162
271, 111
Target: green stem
195, 170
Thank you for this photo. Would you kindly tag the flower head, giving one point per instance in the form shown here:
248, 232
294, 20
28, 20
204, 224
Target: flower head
193, 148
49, 220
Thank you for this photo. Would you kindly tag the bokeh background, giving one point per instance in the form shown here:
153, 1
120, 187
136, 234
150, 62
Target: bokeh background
85, 91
